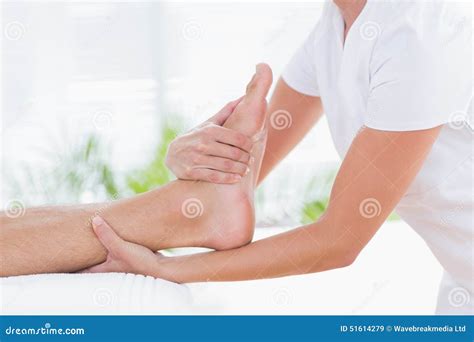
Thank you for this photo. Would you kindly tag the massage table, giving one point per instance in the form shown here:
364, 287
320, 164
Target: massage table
383, 280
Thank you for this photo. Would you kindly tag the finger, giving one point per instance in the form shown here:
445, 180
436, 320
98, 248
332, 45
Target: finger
229, 152
214, 176
260, 84
224, 113
106, 234
221, 164
230, 137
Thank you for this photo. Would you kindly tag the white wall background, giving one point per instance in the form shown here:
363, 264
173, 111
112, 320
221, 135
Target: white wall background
138, 61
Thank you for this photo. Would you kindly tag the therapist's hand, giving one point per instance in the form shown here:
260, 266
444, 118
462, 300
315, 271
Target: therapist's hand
211, 152
123, 256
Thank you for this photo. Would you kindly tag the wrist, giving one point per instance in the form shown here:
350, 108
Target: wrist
167, 268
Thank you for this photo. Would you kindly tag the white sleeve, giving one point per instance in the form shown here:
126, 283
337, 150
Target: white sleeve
418, 81
300, 72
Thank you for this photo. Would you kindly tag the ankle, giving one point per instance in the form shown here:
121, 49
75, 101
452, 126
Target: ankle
236, 226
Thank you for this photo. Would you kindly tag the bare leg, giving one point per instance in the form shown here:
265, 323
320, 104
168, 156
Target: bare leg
182, 213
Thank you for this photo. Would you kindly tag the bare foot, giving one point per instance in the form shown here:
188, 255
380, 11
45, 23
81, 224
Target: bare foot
233, 219
249, 115
179, 214
205, 214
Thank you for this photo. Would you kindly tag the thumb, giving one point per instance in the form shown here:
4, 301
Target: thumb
221, 117
106, 234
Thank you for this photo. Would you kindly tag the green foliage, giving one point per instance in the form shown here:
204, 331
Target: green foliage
85, 169
294, 196
313, 210
393, 217
81, 168
316, 198
155, 173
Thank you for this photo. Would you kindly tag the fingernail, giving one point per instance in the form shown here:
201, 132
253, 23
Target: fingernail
237, 178
247, 171
97, 221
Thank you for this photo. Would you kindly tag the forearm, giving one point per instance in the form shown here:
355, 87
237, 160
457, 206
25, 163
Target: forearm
306, 249
374, 175
290, 117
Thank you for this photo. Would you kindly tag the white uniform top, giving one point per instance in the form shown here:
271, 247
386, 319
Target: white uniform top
406, 65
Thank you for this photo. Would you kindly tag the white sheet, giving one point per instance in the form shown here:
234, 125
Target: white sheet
101, 294
382, 281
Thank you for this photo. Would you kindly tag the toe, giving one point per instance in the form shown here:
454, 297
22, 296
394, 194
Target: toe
260, 83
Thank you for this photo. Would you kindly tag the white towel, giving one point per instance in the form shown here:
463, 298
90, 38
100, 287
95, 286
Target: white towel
98, 294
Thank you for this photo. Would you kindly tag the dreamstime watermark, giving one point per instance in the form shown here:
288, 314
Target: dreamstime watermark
376, 289
461, 27
452, 214
103, 297
14, 30
279, 28
102, 119
458, 120
281, 119
192, 208
191, 30
458, 297
370, 30
282, 296
46, 330
370, 208
14, 208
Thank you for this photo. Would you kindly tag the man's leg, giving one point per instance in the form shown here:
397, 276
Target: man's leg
182, 213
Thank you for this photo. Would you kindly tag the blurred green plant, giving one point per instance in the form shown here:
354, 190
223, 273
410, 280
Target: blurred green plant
84, 174
87, 168
315, 206
316, 198
155, 173
68, 175
294, 195
313, 210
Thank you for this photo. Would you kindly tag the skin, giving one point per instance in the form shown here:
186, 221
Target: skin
186, 152
211, 152
222, 166
350, 10
305, 112
60, 239
375, 174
